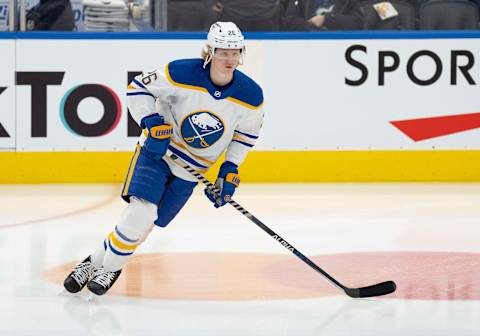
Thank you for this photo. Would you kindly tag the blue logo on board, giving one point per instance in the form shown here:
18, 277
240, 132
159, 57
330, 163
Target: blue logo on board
202, 129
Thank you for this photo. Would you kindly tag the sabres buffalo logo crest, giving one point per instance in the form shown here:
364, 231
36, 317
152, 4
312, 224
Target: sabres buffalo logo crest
201, 129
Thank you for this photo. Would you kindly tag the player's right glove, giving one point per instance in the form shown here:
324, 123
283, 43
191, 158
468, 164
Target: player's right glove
227, 181
158, 135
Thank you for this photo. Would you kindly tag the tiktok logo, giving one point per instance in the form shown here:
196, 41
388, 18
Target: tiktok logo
39, 81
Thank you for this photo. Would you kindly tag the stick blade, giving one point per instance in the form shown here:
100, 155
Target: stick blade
379, 289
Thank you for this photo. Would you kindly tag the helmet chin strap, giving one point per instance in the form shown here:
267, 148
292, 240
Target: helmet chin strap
209, 56
207, 60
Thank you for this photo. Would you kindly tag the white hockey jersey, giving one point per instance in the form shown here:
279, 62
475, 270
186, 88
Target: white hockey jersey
206, 120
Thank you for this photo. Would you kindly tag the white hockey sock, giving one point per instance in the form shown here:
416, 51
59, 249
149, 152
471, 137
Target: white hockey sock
133, 228
113, 262
99, 254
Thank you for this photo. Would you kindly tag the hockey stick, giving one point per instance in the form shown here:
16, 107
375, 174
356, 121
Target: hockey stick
202, 140
382, 288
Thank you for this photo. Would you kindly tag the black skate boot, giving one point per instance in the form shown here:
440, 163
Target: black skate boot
79, 277
102, 281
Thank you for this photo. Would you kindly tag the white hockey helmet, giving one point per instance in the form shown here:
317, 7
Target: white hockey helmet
224, 35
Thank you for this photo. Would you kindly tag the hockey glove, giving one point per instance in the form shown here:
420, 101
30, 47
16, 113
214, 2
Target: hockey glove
158, 135
227, 181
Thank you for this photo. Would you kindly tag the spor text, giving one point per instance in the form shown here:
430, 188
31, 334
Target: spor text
458, 67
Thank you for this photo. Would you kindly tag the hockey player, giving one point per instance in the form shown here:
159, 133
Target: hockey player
196, 109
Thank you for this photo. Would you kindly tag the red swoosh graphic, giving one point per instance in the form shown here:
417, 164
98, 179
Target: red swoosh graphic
428, 128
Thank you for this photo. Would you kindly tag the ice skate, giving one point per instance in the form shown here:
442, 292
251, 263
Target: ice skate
79, 277
102, 281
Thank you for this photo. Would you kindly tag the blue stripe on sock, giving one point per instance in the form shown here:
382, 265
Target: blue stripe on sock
118, 252
121, 235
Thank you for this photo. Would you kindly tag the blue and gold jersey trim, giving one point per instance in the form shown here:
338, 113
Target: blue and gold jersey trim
251, 136
135, 88
186, 157
140, 94
185, 86
244, 138
131, 168
243, 143
190, 74
251, 107
139, 84
195, 157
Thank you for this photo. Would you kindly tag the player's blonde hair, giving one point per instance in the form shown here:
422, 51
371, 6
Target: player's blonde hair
205, 53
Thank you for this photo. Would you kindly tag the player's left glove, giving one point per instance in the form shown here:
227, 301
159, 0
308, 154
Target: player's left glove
227, 181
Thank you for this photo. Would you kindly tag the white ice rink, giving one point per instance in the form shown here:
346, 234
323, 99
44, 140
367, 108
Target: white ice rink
213, 272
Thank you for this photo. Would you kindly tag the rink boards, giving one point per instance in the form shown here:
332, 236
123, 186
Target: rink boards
339, 106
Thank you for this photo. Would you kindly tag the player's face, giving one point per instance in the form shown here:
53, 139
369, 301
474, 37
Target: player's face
226, 60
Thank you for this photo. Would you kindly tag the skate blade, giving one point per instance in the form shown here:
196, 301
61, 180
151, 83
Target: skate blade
82, 295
